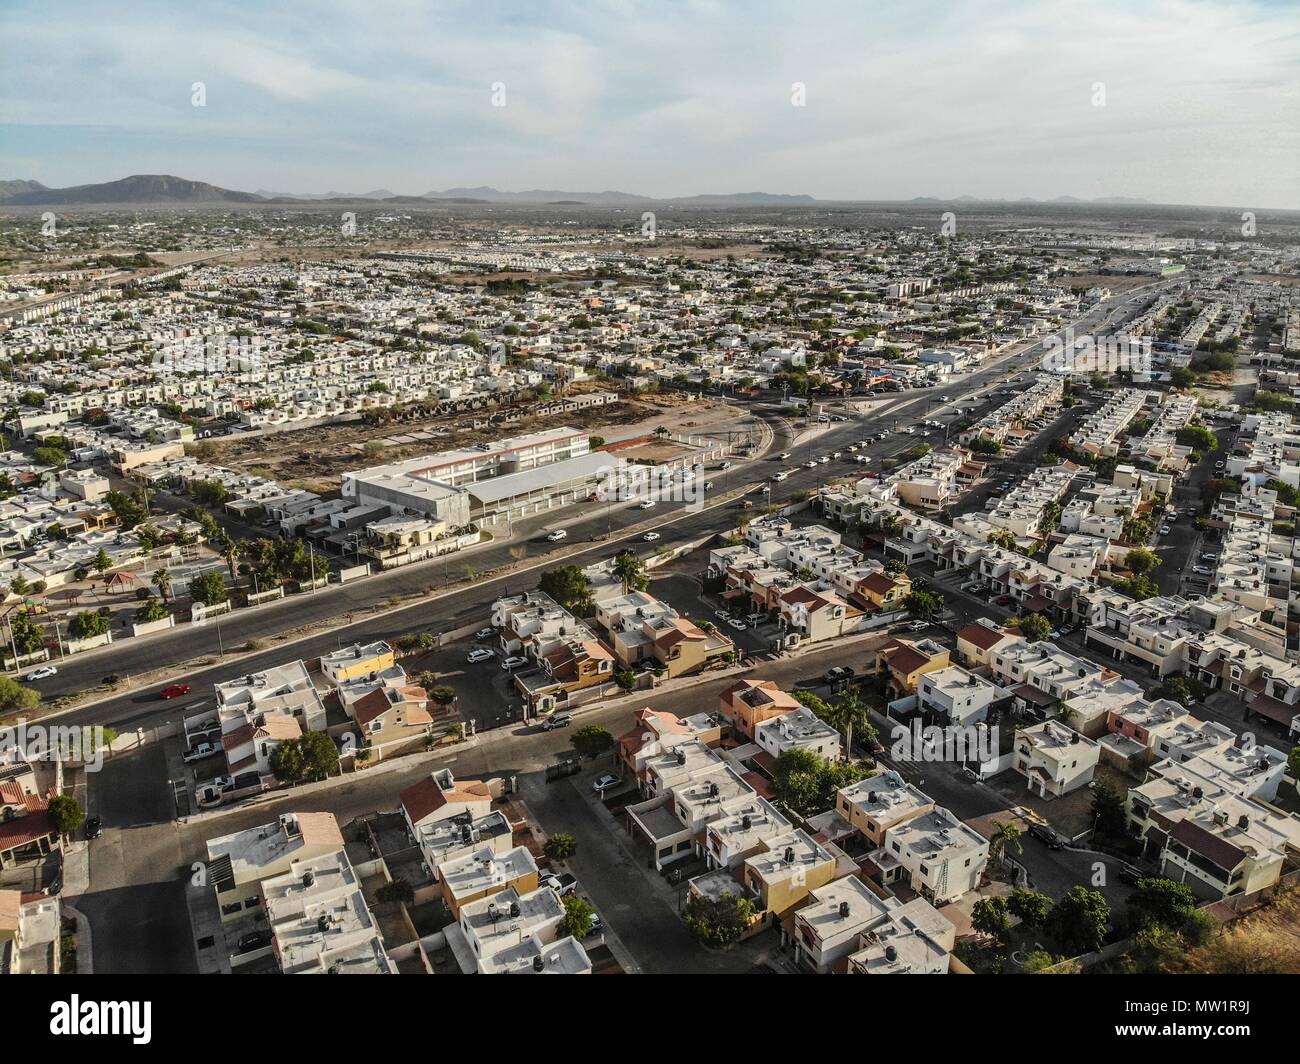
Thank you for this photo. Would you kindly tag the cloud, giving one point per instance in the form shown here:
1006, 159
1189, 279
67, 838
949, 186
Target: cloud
902, 100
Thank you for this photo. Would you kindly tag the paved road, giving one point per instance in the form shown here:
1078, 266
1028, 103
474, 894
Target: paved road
438, 612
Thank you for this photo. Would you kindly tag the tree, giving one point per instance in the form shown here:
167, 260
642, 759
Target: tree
65, 813
1028, 906
444, 694
102, 562
27, 636
630, 570
399, 892
1004, 835
1108, 808
924, 604
625, 678
319, 754
989, 917
209, 589
578, 915
1293, 762
1182, 377
719, 922
1079, 920
14, 697
1140, 560
560, 847
1197, 437
1034, 627
209, 492
287, 763
153, 610
569, 587
127, 510
591, 741
805, 782
162, 580
1162, 902
88, 624
848, 714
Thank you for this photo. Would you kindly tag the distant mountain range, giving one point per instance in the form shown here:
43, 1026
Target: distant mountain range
164, 189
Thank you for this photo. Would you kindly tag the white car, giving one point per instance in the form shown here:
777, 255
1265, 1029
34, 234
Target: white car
557, 535
40, 674
810, 464
822, 460
1202, 570
513, 663
647, 505
836, 454
202, 750
918, 626
650, 537
481, 654
738, 625
1164, 530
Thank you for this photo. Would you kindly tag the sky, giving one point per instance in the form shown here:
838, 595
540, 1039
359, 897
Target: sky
1175, 101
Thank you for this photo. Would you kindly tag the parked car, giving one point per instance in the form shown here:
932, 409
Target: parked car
556, 720
1005, 600
918, 626
1130, 875
94, 827
650, 537
604, 782
1047, 835
513, 663
481, 654
1164, 530
175, 690
969, 774
737, 624
1202, 570
557, 535
485, 633
200, 751
40, 674
597, 925
254, 940
838, 674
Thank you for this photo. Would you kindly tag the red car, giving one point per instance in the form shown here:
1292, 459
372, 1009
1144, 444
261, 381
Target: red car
175, 690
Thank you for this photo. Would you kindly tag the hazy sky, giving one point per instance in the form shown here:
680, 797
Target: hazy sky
1201, 97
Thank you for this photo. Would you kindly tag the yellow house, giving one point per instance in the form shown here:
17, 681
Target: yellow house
884, 591
791, 865
356, 661
904, 661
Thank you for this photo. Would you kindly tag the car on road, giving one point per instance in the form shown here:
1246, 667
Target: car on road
837, 454
650, 537
513, 663
1005, 600
647, 505
604, 782
1164, 530
174, 690
838, 674
783, 456
40, 674
254, 940
1209, 556
1048, 836
823, 460
94, 827
969, 774
780, 476
556, 720
557, 535
918, 626
737, 624
1130, 875
810, 464
201, 751
1202, 570
485, 633
722, 615
480, 654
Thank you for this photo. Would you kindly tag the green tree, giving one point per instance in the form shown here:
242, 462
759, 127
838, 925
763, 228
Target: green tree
805, 782
88, 624
1005, 836
209, 589
65, 814
630, 570
989, 917
319, 755
1162, 902
1079, 920
16, 698
719, 922
1140, 560
560, 847
578, 915
1293, 762
569, 587
153, 610
128, 511
1028, 906
923, 604
1108, 808
162, 580
287, 762
208, 492
25, 634
396, 892
1034, 627
1197, 437
591, 741
102, 562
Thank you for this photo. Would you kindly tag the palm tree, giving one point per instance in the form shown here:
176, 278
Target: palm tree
629, 569
848, 714
1004, 835
162, 580
229, 550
